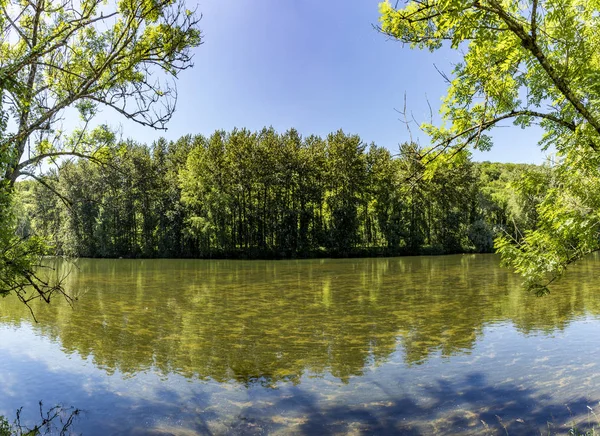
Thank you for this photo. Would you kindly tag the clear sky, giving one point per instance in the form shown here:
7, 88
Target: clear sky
317, 66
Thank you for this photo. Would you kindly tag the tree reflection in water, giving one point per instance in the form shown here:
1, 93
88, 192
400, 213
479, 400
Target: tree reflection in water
271, 324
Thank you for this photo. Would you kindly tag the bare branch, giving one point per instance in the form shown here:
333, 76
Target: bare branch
487, 124
42, 182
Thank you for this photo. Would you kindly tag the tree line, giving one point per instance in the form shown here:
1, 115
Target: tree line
266, 194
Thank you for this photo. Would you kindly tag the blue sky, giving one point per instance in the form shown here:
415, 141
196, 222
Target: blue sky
317, 66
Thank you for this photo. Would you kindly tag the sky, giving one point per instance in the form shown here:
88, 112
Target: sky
317, 66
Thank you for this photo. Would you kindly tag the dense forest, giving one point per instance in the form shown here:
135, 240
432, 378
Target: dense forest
273, 195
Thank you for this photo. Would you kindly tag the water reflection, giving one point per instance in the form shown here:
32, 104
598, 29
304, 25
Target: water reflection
267, 322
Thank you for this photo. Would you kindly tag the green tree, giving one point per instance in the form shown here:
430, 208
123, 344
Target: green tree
266, 194
81, 184
386, 196
169, 159
347, 177
529, 61
412, 172
85, 55
451, 201
206, 193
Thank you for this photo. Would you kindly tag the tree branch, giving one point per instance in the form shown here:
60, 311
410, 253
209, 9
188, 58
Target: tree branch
41, 181
529, 43
36, 159
534, 20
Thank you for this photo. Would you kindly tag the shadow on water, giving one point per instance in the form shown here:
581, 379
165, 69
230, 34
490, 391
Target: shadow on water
467, 406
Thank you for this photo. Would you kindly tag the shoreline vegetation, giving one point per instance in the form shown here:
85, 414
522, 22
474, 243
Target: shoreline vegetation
269, 195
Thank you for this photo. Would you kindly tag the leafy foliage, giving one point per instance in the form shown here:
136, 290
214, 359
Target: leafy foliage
529, 61
88, 55
4, 427
266, 194
20, 258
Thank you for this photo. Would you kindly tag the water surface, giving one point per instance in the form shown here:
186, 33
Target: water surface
419, 345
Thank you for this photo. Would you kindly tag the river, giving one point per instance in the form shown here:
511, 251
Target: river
414, 345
